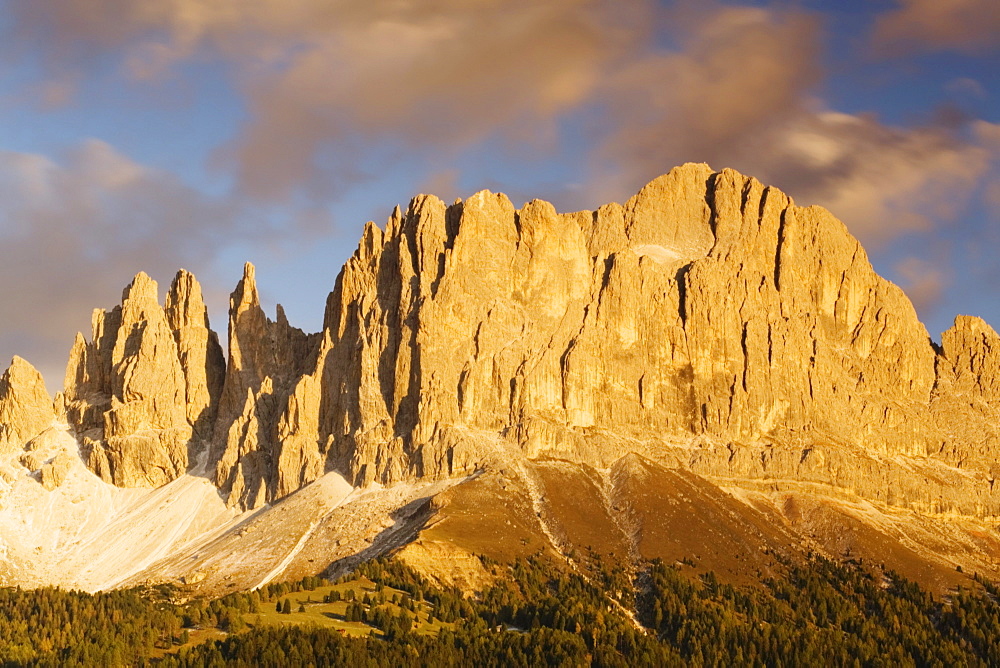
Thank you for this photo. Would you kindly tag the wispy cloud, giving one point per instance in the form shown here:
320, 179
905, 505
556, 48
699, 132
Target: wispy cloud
328, 83
923, 281
334, 91
738, 72
881, 180
74, 230
324, 80
968, 26
739, 93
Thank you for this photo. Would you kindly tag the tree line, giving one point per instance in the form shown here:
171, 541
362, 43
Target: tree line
537, 613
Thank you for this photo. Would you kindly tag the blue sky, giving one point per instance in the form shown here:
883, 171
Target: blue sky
200, 134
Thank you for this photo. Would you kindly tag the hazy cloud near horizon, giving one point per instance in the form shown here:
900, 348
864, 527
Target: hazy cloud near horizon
332, 99
75, 231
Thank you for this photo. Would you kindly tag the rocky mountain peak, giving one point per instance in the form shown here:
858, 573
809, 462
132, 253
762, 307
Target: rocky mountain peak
135, 393
245, 296
971, 349
25, 405
707, 309
184, 304
266, 359
142, 291
707, 349
708, 323
198, 351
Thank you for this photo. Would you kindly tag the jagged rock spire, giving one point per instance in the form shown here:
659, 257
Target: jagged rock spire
127, 392
25, 405
266, 359
198, 350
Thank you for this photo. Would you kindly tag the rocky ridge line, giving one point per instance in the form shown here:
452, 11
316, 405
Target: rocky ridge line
708, 324
141, 393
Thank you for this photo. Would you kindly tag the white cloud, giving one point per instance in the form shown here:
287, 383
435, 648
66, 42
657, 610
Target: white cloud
329, 82
738, 70
882, 181
739, 95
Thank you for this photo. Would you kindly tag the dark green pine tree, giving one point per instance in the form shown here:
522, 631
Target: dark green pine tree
286, 608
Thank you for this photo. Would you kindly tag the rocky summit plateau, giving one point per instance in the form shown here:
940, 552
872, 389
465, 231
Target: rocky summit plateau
706, 371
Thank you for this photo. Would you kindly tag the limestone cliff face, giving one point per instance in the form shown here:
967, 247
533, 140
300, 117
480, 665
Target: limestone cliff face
135, 393
25, 406
966, 400
708, 304
198, 352
708, 324
970, 360
265, 360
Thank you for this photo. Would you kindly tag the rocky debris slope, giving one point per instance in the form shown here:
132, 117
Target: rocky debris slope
638, 510
62, 525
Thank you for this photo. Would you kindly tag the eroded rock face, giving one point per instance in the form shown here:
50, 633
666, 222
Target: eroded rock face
966, 400
971, 359
198, 351
266, 359
136, 392
25, 406
54, 473
708, 324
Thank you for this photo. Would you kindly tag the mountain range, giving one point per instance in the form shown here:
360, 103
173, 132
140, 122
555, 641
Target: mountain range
707, 373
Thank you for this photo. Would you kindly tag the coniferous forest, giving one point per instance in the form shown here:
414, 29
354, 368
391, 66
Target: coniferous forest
536, 614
